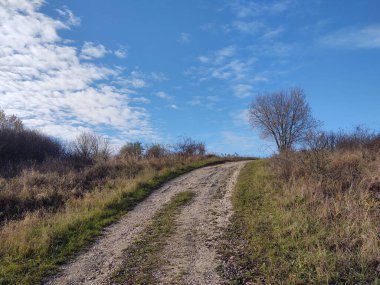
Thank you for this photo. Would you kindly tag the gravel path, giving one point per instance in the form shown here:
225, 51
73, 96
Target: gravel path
190, 251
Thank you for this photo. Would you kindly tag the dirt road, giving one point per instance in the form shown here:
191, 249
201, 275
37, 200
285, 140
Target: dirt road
190, 253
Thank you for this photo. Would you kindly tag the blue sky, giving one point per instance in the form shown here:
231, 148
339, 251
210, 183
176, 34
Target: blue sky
158, 70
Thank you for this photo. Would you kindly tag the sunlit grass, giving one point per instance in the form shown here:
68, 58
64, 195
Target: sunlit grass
292, 234
34, 246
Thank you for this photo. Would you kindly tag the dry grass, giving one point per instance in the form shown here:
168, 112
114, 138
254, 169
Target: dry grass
48, 189
305, 224
34, 244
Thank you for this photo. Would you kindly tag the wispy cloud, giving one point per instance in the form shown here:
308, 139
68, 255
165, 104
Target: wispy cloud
243, 90
69, 16
237, 141
271, 34
44, 81
121, 53
163, 95
367, 37
245, 67
91, 50
159, 76
240, 117
229, 65
224, 53
208, 102
184, 38
248, 8
248, 27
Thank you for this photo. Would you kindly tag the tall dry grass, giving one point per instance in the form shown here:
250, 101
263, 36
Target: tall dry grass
34, 243
335, 204
49, 188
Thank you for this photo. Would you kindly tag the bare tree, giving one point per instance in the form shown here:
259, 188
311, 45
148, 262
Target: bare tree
11, 122
284, 116
89, 145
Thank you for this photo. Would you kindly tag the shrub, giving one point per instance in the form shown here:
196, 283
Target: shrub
18, 147
189, 147
10, 122
132, 150
89, 146
156, 151
359, 138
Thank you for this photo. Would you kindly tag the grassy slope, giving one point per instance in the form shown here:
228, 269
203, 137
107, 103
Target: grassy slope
34, 247
283, 241
142, 258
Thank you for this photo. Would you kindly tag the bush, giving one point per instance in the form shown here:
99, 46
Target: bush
89, 146
189, 147
27, 145
132, 150
156, 151
359, 138
10, 122
20, 147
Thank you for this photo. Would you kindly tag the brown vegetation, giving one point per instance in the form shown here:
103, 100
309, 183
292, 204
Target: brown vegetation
333, 191
310, 216
39, 172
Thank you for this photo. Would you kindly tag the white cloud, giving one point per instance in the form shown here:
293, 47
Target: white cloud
367, 37
248, 8
159, 76
252, 27
69, 17
121, 53
184, 38
163, 95
208, 102
237, 141
240, 117
221, 68
203, 59
231, 65
43, 80
91, 50
141, 100
273, 33
242, 90
173, 106
224, 53
196, 101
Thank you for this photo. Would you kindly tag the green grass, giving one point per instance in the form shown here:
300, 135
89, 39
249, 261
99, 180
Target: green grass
142, 257
34, 247
275, 238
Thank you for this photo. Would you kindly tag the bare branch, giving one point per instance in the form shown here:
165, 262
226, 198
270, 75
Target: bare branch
283, 116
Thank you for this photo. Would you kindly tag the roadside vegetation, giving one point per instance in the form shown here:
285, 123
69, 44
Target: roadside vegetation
56, 200
142, 258
306, 227
311, 213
